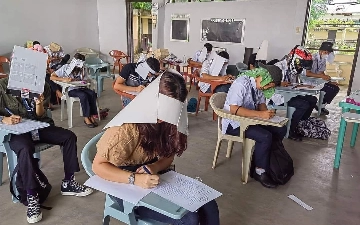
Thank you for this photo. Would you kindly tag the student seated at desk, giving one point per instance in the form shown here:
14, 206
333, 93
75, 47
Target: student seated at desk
318, 71
246, 97
292, 66
124, 150
87, 97
199, 58
205, 73
12, 110
135, 76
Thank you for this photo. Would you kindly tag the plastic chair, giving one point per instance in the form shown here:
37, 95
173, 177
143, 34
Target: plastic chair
118, 56
94, 64
242, 67
207, 96
289, 113
87, 52
11, 156
69, 106
112, 209
217, 102
3, 60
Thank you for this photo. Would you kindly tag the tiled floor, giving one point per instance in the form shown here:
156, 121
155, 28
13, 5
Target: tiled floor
334, 194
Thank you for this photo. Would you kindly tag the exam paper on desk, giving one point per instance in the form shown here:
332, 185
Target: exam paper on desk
184, 191
24, 126
275, 119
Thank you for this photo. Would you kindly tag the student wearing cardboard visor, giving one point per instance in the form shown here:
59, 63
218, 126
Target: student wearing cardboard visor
135, 76
87, 97
246, 97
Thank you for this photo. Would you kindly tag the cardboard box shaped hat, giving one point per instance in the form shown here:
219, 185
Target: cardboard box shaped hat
150, 105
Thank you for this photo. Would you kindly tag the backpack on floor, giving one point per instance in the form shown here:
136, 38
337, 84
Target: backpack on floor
314, 128
43, 189
191, 107
281, 164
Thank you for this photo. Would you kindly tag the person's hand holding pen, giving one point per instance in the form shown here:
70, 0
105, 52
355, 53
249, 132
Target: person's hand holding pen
267, 114
145, 177
67, 79
11, 120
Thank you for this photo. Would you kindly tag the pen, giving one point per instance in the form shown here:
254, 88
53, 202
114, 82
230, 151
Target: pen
146, 170
8, 110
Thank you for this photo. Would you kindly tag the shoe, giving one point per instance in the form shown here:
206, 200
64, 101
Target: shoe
294, 136
324, 112
265, 180
33, 214
73, 188
90, 125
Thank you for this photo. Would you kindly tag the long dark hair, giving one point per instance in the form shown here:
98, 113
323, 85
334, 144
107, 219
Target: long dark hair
163, 139
81, 57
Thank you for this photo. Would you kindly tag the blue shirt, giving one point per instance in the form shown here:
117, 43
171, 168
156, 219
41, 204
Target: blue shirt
240, 94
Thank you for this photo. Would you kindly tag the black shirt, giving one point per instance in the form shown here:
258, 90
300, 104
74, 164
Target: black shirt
132, 78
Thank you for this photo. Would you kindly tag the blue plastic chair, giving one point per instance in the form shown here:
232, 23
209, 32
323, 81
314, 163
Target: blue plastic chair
127, 216
94, 64
11, 156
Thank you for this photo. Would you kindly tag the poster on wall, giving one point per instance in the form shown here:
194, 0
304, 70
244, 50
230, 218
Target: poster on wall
223, 30
180, 27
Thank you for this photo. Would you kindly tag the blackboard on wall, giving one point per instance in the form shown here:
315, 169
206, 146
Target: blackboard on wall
223, 30
179, 28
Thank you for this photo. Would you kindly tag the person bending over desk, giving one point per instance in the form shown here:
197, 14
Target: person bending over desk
205, 73
318, 71
197, 60
292, 66
246, 97
135, 76
123, 150
12, 110
87, 97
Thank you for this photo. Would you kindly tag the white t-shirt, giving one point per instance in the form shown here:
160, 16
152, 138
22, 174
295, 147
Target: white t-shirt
206, 69
77, 77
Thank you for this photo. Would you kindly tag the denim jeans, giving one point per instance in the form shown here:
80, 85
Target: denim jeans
263, 136
304, 105
208, 214
331, 91
221, 88
125, 101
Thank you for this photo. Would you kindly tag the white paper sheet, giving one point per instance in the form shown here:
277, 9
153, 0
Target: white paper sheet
301, 203
126, 192
216, 65
275, 119
28, 70
24, 126
185, 191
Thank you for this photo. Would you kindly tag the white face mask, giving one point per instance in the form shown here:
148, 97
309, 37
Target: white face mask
325, 56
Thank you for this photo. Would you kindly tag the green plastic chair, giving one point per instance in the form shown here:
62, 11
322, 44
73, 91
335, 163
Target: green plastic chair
127, 215
94, 65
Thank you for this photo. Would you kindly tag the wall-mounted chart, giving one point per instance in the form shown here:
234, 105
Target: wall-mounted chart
222, 30
180, 27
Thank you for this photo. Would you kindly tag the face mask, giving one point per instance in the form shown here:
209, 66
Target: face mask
325, 56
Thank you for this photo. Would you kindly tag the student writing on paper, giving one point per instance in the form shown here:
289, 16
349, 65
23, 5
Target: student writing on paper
135, 76
87, 97
12, 110
127, 147
207, 74
200, 56
292, 66
246, 97
325, 53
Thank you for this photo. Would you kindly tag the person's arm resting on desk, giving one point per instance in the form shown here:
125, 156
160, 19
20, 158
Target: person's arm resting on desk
60, 75
120, 83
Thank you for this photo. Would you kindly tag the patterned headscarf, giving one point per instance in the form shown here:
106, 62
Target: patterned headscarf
266, 79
